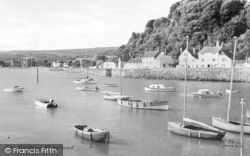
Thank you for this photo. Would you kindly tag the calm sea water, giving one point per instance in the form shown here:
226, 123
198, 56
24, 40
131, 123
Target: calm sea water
133, 132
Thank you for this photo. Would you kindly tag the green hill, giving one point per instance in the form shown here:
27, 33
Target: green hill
204, 21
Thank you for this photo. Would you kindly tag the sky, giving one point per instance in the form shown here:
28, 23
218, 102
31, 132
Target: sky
73, 24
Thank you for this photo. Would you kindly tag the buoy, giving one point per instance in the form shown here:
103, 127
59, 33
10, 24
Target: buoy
8, 137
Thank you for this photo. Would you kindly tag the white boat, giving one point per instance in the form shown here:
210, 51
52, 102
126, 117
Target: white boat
87, 89
110, 85
92, 134
148, 105
85, 81
115, 97
192, 128
233, 90
14, 89
110, 93
205, 93
159, 88
45, 103
227, 124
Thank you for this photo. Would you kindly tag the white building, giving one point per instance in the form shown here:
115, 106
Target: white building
111, 63
207, 57
149, 60
133, 63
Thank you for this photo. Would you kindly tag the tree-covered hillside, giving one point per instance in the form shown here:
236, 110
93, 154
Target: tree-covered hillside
204, 21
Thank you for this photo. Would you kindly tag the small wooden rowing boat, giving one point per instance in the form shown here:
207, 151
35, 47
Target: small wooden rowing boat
159, 88
45, 103
14, 89
87, 89
148, 105
92, 134
110, 85
193, 128
205, 93
115, 97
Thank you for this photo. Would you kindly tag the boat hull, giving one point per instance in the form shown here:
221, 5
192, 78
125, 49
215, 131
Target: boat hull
231, 91
115, 97
97, 136
148, 105
87, 89
13, 89
197, 95
110, 85
45, 105
180, 129
229, 126
170, 89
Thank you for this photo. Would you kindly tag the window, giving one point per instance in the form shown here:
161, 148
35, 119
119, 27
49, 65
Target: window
224, 59
197, 66
184, 60
213, 59
202, 60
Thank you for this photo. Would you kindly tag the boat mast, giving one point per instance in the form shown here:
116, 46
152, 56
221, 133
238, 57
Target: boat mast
120, 66
231, 82
242, 127
157, 88
185, 90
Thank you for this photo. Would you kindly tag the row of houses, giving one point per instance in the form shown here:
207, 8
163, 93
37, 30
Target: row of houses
207, 57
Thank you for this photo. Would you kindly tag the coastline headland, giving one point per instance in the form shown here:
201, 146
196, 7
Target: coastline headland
193, 74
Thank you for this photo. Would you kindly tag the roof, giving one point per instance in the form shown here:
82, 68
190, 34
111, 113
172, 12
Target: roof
166, 59
112, 59
210, 50
191, 53
150, 54
135, 60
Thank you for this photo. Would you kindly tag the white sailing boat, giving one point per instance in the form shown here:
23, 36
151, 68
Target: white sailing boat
115, 97
227, 124
192, 128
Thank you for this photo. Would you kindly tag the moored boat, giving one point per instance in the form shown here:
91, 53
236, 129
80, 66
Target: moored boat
110, 93
114, 97
148, 105
85, 81
196, 129
92, 134
45, 103
159, 88
87, 89
205, 93
14, 89
110, 85
231, 91
233, 126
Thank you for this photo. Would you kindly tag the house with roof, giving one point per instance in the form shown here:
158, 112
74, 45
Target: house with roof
207, 57
150, 60
111, 63
165, 60
133, 63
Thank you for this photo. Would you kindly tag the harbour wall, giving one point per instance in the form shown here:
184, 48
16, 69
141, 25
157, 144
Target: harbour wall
195, 74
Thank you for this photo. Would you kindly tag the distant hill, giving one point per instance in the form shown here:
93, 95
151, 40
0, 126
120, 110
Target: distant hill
57, 54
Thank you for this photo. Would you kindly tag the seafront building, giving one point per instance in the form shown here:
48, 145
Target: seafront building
133, 63
149, 60
111, 63
207, 57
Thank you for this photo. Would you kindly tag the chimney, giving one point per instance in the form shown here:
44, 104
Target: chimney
181, 50
158, 49
166, 51
194, 51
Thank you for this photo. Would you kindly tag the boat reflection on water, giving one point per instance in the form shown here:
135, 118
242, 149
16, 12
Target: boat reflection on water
96, 146
43, 110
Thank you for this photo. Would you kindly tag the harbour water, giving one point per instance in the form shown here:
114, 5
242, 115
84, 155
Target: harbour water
133, 132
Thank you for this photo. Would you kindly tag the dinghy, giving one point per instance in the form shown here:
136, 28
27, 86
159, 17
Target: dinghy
45, 103
14, 89
92, 134
159, 88
115, 97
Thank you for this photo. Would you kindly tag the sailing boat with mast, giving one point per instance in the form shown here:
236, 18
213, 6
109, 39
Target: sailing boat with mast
116, 96
158, 104
191, 127
227, 124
